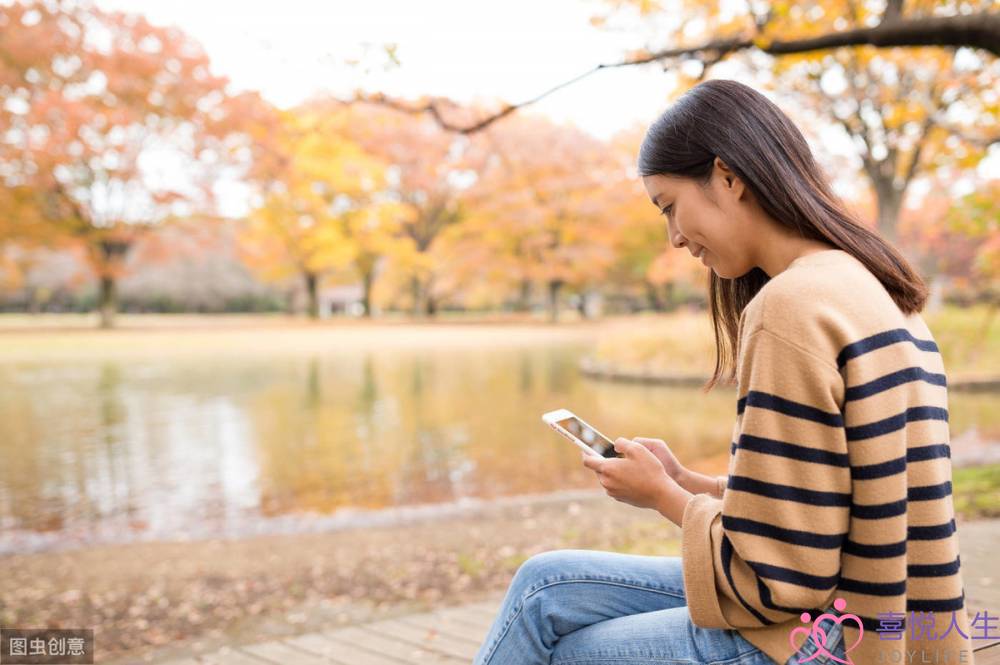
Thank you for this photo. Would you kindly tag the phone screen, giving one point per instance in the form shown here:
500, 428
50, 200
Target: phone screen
590, 436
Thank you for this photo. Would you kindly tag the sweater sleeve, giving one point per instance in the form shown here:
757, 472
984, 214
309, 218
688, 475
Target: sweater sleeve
769, 549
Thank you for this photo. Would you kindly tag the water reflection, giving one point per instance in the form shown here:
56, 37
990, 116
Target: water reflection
169, 448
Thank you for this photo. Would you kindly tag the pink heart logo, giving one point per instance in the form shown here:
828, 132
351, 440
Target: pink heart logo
819, 636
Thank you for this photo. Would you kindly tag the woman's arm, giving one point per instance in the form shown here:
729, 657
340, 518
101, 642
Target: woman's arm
773, 543
692, 481
700, 483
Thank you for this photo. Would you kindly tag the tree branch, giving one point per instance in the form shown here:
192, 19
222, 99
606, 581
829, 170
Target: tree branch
979, 30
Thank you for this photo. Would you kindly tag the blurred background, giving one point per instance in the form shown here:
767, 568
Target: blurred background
286, 287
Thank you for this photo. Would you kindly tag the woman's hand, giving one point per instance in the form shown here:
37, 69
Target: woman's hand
661, 450
637, 479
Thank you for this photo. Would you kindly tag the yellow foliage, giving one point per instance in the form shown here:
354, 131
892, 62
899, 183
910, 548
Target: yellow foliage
321, 212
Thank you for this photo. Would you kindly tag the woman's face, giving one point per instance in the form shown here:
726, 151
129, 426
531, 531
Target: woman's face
711, 221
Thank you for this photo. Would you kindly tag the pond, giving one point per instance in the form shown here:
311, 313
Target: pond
169, 445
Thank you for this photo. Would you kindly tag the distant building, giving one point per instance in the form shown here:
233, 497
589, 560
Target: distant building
344, 299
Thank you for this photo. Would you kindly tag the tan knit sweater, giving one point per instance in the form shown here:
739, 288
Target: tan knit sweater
840, 476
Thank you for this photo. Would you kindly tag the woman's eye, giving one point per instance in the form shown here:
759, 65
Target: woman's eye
667, 209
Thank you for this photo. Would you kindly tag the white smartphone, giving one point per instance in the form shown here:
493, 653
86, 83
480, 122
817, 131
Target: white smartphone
580, 432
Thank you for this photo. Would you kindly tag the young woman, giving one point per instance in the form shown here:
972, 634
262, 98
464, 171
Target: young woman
838, 497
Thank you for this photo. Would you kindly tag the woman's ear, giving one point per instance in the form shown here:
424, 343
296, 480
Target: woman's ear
727, 173
729, 179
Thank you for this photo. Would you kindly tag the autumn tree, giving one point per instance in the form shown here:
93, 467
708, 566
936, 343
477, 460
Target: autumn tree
429, 169
111, 123
907, 109
542, 204
977, 217
324, 208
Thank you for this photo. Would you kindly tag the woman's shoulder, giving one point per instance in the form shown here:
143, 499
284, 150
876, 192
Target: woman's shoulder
824, 302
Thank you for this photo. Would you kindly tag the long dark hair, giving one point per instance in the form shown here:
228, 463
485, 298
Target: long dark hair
732, 121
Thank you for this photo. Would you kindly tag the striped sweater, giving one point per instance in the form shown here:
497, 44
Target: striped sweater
839, 479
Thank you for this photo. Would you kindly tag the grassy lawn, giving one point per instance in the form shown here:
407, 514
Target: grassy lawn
682, 342
967, 345
71, 337
976, 491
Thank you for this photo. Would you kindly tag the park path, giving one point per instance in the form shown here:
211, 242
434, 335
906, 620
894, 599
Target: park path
452, 635
446, 636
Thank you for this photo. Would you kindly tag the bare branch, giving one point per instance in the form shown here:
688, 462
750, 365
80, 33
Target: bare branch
980, 30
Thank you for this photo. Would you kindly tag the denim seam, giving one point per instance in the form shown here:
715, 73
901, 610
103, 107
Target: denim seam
598, 580
531, 591
735, 660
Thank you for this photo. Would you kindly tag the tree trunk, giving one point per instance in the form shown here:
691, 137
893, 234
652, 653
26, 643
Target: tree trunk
109, 255
554, 286
653, 296
889, 200
523, 303
34, 300
367, 281
417, 291
984, 330
431, 302
107, 301
312, 293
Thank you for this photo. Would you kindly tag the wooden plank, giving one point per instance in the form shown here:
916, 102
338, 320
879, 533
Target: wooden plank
489, 606
988, 655
462, 615
484, 609
480, 614
342, 653
284, 654
403, 650
233, 656
447, 625
430, 639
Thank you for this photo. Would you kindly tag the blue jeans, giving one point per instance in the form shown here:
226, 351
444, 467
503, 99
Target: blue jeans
589, 607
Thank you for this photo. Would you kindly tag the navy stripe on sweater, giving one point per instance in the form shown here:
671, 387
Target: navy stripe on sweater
788, 407
933, 532
895, 508
871, 625
866, 551
781, 574
940, 605
759, 444
790, 536
896, 422
881, 470
872, 588
924, 453
879, 340
929, 492
879, 510
898, 465
726, 550
788, 493
892, 380
934, 569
